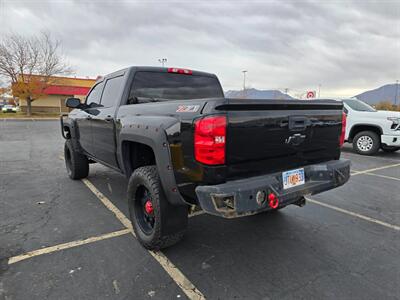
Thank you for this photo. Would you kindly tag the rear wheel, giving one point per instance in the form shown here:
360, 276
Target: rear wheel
390, 149
366, 143
76, 163
156, 222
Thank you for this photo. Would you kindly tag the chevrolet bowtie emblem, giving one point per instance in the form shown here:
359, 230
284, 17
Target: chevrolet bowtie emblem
295, 139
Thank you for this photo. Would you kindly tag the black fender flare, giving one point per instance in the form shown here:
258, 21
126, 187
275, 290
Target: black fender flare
73, 131
152, 131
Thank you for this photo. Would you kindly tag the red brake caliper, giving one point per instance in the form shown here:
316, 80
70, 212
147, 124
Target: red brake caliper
148, 206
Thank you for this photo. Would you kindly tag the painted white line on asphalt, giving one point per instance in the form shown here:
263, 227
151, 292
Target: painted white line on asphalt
373, 157
383, 176
180, 279
47, 250
347, 212
196, 213
375, 169
119, 215
31, 119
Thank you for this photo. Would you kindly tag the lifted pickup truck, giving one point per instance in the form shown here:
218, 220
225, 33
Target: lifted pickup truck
183, 145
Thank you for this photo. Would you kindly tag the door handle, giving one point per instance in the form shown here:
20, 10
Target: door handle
297, 123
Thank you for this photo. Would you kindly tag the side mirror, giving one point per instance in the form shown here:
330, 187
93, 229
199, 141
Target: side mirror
73, 103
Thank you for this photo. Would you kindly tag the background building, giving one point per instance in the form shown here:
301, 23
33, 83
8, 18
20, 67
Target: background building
61, 88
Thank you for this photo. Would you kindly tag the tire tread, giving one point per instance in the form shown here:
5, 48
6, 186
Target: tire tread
79, 162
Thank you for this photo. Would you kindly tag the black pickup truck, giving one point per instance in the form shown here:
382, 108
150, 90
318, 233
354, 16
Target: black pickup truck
182, 144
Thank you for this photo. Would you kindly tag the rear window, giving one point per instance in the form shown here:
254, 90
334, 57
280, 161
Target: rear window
170, 86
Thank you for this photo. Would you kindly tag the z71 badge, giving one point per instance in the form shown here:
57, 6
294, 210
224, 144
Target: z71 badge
188, 108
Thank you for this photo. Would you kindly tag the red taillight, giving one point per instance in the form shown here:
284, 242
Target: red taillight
343, 133
209, 140
180, 71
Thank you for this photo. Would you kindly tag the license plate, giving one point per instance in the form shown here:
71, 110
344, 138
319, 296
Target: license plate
293, 178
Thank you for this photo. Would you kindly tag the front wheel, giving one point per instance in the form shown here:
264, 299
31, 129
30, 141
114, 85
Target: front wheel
76, 163
156, 222
366, 143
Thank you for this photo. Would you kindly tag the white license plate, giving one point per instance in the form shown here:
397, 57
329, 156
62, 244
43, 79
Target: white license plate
293, 178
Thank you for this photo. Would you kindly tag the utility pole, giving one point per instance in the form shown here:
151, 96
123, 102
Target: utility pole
286, 91
244, 83
397, 92
319, 90
162, 61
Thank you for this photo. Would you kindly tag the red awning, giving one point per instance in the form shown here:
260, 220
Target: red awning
66, 90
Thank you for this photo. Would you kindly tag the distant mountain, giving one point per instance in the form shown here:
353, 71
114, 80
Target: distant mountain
257, 94
383, 93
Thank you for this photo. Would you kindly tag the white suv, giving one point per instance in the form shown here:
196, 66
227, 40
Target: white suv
370, 130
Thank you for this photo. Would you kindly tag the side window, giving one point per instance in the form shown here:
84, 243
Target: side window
93, 99
345, 110
112, 91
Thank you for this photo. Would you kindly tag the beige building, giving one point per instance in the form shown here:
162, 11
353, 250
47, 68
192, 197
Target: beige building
53, 100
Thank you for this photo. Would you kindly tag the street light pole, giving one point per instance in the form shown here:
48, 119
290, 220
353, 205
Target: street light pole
397, 92
244, 83
319, 90
162, 61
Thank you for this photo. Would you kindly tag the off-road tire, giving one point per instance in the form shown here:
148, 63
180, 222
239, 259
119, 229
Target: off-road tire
170, 221
370, 137
76, 163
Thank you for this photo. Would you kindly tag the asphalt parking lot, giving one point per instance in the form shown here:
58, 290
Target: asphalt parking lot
64, 239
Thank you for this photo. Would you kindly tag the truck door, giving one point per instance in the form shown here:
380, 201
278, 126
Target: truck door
84, 120
103, 123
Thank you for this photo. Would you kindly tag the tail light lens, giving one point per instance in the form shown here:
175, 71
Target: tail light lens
209, 140
343, 133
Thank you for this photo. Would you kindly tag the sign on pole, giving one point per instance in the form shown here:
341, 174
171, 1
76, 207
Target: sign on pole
310, 94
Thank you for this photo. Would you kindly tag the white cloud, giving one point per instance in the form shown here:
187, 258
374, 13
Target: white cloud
347, 46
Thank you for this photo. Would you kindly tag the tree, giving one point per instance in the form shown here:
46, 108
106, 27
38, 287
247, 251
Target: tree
387, 105
4, 91
29, 64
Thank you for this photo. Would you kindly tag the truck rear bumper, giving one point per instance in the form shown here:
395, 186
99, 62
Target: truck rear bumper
239, 197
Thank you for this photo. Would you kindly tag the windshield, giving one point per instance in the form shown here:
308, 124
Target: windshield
169, 86
358, 105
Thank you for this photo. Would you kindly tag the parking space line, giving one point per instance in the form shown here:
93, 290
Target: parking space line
347, 212
47, 250
180, 279
375, 169
383, 176
196, 213
119, 215
374, 157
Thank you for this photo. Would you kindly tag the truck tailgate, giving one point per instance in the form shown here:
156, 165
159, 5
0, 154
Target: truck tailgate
272, 135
